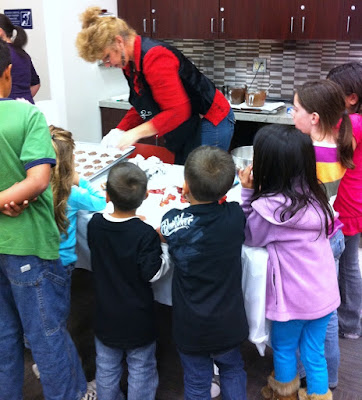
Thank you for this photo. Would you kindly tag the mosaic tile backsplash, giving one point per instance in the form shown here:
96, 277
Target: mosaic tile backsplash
289, 63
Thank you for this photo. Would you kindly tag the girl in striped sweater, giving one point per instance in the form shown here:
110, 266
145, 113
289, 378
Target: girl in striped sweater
319, 111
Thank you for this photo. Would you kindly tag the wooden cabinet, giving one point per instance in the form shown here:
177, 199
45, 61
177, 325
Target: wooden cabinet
318, 19
137, 14
110, 118
172, 19
277, 19
244, 19
352, 20
185, 19
239, 19
300, 19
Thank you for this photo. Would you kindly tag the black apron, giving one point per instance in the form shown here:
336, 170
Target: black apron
200, 90
181, 140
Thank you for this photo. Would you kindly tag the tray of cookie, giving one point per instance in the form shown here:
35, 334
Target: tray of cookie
92, 159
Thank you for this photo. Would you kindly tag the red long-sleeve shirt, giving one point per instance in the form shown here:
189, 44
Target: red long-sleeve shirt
160, 68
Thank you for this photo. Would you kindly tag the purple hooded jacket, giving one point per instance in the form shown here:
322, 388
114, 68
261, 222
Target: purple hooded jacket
301, 275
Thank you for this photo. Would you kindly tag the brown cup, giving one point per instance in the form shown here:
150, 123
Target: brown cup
237, 94
255, 99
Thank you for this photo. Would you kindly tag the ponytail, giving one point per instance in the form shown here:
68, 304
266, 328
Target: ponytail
344, 142
21, 38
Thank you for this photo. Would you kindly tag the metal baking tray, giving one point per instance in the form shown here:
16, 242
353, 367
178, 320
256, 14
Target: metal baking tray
94, 159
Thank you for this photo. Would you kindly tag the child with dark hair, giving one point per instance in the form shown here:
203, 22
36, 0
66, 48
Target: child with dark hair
349, 77
26, 82
205, 240
126, 257
288, 212
33, 296
349, 205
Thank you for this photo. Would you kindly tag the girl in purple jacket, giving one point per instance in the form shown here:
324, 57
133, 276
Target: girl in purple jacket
288, 213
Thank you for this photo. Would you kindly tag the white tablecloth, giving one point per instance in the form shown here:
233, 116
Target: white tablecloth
153, 212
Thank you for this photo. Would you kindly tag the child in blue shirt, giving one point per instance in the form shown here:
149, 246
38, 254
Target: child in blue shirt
71, 194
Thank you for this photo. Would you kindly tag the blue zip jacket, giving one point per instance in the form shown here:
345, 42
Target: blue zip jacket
82, 197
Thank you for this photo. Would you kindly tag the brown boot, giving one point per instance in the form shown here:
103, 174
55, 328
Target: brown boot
304, 396
281, 391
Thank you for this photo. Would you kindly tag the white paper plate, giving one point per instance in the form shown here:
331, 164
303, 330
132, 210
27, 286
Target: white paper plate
268, 106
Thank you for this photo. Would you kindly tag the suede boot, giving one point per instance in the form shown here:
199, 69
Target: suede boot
304, 396
281, 391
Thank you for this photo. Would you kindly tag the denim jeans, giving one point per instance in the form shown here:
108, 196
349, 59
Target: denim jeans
331, 344
350, 286
219, 135
309, 335
142, 372
199, 370
35, 301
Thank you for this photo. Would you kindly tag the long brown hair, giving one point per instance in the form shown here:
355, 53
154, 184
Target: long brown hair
327, 99
62, 174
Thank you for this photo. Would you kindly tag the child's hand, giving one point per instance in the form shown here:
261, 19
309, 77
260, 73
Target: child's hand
13, 210
158, 230
246, 177
75, 178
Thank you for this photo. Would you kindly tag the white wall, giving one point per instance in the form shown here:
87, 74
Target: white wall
36, 46
75, 87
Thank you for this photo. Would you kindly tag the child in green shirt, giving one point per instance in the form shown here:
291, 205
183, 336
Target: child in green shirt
34, 286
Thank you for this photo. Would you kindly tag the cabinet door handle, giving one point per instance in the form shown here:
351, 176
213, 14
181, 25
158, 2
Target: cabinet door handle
222, 24
291, 24
303, 23
212, 25
144, 25
348, 23
154, 25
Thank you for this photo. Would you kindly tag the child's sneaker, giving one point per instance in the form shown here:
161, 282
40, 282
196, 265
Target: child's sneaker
92, 385
36, 372
215, 388
353, 336
91, 393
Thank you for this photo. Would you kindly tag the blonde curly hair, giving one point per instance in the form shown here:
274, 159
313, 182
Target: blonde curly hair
99, 32
62, 174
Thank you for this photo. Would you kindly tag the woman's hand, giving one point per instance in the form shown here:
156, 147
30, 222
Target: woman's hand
112, 138
13, 210
127, 139
246, 177
132, 136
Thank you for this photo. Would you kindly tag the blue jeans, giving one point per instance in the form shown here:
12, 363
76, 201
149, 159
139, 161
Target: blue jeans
309, 336
199, 370
35, 301
142, 372
331, 344
219, 135
350, 286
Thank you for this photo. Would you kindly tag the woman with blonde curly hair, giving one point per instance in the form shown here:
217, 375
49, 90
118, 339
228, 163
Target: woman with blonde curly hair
169, 95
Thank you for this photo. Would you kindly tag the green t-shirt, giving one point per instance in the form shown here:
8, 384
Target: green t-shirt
24, 143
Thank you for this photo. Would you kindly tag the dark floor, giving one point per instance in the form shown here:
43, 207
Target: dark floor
170, 387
